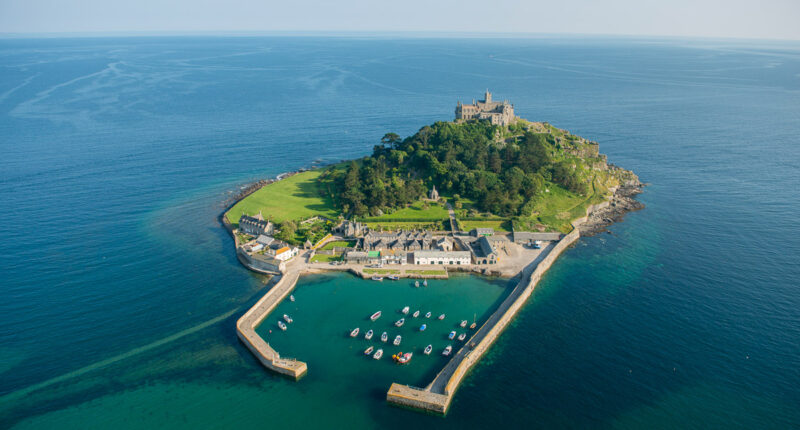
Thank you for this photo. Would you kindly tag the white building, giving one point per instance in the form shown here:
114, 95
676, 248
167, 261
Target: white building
442, 257
284, 253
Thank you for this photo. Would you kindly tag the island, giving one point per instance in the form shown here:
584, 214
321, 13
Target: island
487, 193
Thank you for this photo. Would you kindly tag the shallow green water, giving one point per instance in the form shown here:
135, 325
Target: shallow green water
329, 306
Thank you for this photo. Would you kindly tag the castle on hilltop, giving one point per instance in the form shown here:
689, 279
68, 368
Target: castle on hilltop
498, 113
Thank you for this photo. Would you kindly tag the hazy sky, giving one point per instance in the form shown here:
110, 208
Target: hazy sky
773, 19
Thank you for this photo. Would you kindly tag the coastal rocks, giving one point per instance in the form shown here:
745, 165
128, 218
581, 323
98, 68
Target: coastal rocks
621, 203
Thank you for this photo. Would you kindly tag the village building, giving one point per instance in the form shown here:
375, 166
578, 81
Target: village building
527, 238
252, 247
352, 229
498, 113
283, 254
394, 257
265, 240
255, 225
444, 244
356, 257
478, 232
442, 257
397, 241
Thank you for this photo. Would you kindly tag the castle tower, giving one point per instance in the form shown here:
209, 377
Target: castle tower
487, 97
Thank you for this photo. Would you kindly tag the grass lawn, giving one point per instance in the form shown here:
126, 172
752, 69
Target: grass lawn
381, 271
501, 226
339, 244
435, 212
427, 272
322, 258
297, 197
391, 226
560, 207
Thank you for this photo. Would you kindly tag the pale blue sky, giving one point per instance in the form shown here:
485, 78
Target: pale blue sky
771, 19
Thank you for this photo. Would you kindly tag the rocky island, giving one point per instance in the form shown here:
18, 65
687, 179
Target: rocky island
489, 193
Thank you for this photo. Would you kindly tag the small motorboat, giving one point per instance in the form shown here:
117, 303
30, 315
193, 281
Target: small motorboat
452, 335
401, 358
287, 318
428, 315
473, 325
354, 333
405, 310
368, 336
393, 277
416, 284
415, 314
400, 322
423, 327
281, 325
397, 340
441, 317
378, 354
377, 278
425, 283
291, 297
375, 316
369, 350
447, 350
384, 337
428, 349
463, 323
462, 336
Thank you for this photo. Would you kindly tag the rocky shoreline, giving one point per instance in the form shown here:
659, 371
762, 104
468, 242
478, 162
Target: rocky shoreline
621, 203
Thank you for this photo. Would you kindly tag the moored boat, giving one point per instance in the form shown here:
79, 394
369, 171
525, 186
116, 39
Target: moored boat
462, 336
401, 358
416, 284
393, 277
375, 316
397, 340
368, 336
377, 278
428, 349
425, 283
354, 333
400, 322
405, 310
291, 297
451, 335
416, 314
441, 317
463, 323
281, 325
384, 337
378, 354
423, 327
447, 350
369, 350
428, 315
287, 318
473, 325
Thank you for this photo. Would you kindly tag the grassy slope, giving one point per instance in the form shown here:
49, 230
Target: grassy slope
435, 212
296, 197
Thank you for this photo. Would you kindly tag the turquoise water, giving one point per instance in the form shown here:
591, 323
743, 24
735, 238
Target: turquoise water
120, 291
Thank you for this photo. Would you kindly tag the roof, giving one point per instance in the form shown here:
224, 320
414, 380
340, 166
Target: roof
281, 250
527, 235
264, 239
373, 254
483, 231
438, 254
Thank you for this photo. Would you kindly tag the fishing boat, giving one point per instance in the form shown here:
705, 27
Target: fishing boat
287, 318
384, 337
397, 340
462, 336
400, 322
428, 349
377, 278
428, 315
354, 333
425, 283
405, 310
416, 314
441, 317
473, 325
401, 358
393, 277
423, 327
378, 354
416, 284
369, 350
368, 336
281, 325
375, 316
463, 323
447, 350
291, 297
452, 335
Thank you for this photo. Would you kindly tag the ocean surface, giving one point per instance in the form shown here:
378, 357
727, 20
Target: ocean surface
119, 290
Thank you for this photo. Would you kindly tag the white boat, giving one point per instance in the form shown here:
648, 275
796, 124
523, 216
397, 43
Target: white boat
405, 310
462, 336
447, 350
423, 327
473, 325
354, 333
378, 354
400, 322
384, 337
401, 358
397, 340
415, 314
428, 315
463, 323
393, 277
281, 325
375, 316
291, 297
369, 350
416, 284
452, 335
441, 317
428, 349
377, 278
368, 336
425, 283
287, 318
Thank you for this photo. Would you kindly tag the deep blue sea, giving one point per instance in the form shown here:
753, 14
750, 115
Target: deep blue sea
119, 290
